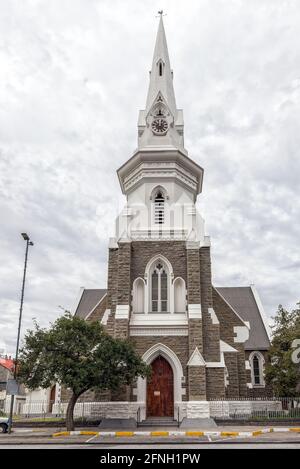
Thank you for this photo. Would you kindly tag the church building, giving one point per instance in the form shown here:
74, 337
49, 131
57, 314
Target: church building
204, 343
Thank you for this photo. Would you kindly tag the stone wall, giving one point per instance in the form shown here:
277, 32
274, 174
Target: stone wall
98, 312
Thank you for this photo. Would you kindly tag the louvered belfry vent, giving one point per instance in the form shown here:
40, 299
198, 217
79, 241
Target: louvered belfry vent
159, 209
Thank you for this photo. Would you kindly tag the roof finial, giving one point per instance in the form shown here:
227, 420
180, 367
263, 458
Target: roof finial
161, 13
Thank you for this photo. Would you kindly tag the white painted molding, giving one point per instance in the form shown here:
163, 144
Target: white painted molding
224, 347
205, 243
247, 365
213, 316
196, 359
194, 311
192, 245
170, 320
105, 317
220, 364
158, 331
112, 244
215, 364
122, 312
249, 385
242, 334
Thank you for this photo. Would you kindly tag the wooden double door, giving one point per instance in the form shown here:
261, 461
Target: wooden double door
160, 389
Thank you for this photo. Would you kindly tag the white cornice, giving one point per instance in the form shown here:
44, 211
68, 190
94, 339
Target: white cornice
170, 320
136, 331
174, 160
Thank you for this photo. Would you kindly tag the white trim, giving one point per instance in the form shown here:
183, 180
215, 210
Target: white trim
196, 359
122, 312
213, 316
194, 311
224, 347
261, 310
159, 319
192, 245
158, 331
105, 317
205, 243
242, 334
93, 309
220, 364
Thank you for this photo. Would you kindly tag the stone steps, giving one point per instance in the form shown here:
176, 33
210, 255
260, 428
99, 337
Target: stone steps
159, 422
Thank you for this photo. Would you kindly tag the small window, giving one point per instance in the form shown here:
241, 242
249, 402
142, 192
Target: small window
159, 209
256, 370
160, 66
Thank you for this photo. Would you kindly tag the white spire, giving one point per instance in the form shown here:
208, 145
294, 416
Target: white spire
161, 76
161, 123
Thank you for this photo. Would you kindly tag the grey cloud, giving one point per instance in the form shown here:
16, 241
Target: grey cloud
73, 80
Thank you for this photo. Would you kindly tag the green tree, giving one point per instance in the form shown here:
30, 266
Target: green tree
78, 355
283, 371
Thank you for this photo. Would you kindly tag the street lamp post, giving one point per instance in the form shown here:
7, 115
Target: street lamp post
12, 397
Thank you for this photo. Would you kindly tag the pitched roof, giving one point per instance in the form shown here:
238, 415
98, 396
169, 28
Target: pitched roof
88, 300
246, 302
8, 363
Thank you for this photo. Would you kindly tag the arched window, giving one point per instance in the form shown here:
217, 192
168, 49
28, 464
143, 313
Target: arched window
159, 208
179, 295
257, 369
159, 288
138, 303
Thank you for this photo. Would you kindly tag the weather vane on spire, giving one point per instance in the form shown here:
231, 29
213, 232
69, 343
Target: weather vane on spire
160, 13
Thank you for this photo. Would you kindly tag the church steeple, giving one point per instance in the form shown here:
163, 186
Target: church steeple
161, 75
161, 123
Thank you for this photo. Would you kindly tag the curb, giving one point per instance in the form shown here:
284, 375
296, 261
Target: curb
178, 433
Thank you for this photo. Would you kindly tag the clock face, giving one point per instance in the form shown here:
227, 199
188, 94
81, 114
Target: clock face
159, 126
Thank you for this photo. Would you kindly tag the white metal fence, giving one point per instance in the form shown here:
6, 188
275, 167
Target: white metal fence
226, 409
256, 408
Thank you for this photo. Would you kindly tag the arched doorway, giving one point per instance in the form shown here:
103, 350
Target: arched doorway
160, 389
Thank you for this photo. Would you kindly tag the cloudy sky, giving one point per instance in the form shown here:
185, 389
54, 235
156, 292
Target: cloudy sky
73, 75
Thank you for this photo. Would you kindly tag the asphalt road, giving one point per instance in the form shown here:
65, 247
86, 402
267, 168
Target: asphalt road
278, 445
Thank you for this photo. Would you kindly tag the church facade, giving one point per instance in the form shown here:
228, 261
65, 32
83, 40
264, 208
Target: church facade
203, 343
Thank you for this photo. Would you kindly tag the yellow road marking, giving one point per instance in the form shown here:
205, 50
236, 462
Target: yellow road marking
159, 433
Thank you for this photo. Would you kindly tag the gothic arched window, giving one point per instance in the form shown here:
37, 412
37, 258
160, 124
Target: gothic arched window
159, 288
159, 208
138, 304
257, 369
179, 295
